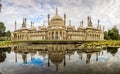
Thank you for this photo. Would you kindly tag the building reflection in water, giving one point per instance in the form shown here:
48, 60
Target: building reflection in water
56, 53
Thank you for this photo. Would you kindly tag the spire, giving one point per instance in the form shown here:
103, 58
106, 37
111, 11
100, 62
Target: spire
100, 27
64, 19
31, 24
24, 23
103, 28
25, 20
98, 23
89, 21
15, 25
56, 11
48, 19
81, 23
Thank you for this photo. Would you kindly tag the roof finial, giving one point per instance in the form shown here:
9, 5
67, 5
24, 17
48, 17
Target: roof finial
56, 11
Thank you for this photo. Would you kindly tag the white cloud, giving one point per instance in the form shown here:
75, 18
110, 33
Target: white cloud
36, 10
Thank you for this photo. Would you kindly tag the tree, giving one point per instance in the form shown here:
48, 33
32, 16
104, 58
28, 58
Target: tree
8, 33
114, 33
119, 37
2, 29
106, 35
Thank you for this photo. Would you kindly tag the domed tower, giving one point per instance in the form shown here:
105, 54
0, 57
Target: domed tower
32, 27
43, 27
56, 27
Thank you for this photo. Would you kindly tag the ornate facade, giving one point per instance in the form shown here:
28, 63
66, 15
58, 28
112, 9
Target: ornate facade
57, 30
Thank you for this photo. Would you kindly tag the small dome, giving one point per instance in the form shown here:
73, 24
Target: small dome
33, 28
43, 27
80, 27
70, 26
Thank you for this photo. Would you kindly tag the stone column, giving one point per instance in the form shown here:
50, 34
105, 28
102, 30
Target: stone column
50, 35
54, 35
58, 36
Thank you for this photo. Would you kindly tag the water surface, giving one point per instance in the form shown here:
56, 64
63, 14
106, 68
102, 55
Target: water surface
59, 59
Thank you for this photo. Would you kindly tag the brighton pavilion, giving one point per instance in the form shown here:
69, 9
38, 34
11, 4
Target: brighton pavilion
57, 29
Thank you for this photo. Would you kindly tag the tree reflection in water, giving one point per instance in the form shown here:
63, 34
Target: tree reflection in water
3, 53
112, 50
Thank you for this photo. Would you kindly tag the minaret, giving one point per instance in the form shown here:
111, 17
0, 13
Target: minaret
103, 28
100, 27
15, 25
64, 19
89, 21
48, 19
56, 11
81, 24
0, 5
98, 23
24, 23
31, 24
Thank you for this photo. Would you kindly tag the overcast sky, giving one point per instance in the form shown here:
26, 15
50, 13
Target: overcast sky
108, 11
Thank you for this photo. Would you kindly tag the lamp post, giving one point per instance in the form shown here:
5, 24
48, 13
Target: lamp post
0, 5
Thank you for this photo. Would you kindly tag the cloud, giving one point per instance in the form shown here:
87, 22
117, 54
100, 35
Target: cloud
76, 10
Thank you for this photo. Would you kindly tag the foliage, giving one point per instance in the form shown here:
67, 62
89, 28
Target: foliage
2, 29
8, 33
112, 34
3, 34
106, 35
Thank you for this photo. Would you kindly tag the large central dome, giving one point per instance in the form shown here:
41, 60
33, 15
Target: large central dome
57, 20
57, 17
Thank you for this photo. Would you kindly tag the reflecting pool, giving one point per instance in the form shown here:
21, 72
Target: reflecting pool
59, 59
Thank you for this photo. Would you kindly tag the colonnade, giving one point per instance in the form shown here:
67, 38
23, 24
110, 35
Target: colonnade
23, 36
57, 35
92, 36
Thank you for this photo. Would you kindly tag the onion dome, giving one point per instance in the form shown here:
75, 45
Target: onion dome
57, 20
70, 27
43, 27
81, 26
56, 17
32, 27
